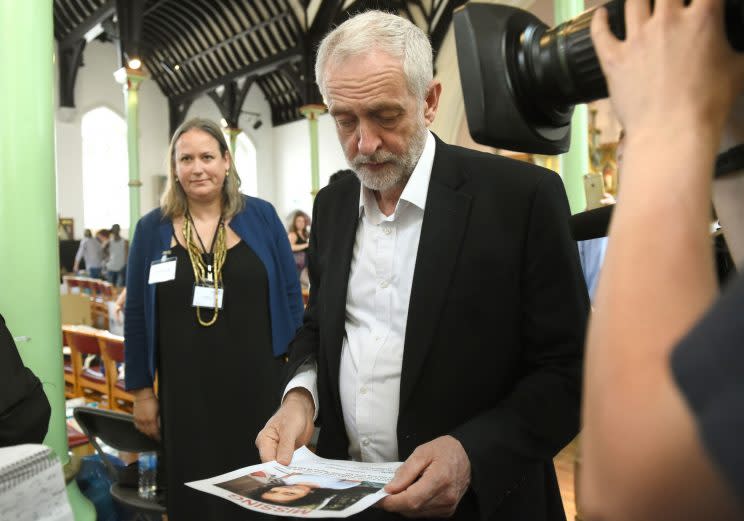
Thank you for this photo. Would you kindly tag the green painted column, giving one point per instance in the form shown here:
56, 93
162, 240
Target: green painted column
130, 80
312, 112
29, 255
575, 162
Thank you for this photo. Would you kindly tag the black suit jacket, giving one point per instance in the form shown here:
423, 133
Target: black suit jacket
24, 408
495, 331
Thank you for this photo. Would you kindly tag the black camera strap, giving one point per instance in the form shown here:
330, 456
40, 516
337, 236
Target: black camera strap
730, 161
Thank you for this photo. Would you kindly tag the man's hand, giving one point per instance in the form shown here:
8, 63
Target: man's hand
290, 427
147, 412
431, 482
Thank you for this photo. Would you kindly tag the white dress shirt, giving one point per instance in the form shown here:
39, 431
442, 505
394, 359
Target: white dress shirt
377, 301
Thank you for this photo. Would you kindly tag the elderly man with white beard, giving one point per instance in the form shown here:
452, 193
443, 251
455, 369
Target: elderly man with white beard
447, 307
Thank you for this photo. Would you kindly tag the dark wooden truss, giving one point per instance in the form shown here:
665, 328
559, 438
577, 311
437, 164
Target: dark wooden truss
222, 47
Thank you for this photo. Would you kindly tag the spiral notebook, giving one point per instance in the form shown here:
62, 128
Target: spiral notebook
32, 486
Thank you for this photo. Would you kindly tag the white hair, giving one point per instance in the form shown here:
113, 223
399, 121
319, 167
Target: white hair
377, 30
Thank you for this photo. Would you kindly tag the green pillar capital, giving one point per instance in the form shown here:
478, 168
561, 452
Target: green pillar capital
312, 112
233, 133
130, 79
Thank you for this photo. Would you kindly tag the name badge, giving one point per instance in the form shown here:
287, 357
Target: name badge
204, 297
162, 270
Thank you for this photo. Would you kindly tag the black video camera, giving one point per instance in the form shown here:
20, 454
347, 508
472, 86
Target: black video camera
521, 79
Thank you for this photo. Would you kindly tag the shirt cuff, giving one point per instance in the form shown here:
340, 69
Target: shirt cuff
307, 378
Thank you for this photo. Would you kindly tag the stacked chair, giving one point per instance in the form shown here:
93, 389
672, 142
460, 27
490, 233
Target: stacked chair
100, 294
97, 383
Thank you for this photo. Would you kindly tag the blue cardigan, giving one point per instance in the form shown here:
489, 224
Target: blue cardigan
259, 226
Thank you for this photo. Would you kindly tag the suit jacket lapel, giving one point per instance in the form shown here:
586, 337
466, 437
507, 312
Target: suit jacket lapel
339, 250
445, 221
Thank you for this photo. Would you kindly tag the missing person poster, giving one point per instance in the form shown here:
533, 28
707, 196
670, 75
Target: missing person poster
309, 487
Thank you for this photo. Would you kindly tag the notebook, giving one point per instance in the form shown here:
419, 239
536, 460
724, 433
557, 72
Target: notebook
32, 486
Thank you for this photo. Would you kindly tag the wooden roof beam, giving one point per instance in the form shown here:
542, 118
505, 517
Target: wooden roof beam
102, 13
233, 38
258, 68
230, 103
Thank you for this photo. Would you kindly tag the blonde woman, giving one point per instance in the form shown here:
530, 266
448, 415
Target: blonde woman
212, 302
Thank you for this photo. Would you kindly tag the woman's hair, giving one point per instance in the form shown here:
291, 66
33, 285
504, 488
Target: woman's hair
87, 233
173, 202
292, 228
315, 496
376, 30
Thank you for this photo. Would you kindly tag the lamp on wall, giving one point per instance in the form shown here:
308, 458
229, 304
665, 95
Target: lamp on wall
256, 116
133, 61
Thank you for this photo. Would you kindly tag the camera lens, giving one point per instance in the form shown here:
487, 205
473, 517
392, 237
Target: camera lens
521, 79
562, 63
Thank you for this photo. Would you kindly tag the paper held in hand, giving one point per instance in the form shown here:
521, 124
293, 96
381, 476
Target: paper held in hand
310, 486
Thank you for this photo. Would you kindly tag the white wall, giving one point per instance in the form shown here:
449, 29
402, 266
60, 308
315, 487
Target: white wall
292, 162
262, 138
96, 87
451, 111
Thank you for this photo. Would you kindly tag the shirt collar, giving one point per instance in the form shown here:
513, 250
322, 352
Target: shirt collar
418, 184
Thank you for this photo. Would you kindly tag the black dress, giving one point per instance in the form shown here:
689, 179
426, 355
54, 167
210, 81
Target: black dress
218, 385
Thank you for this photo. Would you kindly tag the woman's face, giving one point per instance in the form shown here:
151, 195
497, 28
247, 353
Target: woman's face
286, 493
200, 168
300, 222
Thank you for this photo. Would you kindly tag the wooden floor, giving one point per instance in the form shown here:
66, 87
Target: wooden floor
564, 468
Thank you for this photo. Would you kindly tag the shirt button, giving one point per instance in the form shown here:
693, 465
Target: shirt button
363, 390
387, 230
384, 284
365, 442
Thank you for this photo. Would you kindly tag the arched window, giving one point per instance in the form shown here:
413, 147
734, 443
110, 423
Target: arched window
105, 170
245, 162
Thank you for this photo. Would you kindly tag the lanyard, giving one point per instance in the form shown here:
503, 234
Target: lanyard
208, 255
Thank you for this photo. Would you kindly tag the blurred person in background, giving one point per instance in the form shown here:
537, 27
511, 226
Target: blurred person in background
116, 264
91, 252
299, 240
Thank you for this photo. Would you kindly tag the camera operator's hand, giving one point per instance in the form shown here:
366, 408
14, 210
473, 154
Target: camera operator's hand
691, 44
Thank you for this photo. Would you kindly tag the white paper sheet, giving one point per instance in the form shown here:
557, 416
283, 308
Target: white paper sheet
310, 486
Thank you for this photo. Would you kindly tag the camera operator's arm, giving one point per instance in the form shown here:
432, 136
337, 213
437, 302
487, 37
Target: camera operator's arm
672, 82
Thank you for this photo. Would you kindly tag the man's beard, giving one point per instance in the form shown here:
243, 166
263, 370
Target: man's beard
398, 168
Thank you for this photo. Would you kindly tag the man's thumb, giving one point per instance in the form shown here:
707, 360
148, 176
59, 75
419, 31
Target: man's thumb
285, 450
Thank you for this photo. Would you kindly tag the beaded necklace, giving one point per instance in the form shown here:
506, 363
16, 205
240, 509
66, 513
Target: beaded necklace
206, 273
